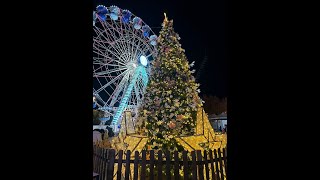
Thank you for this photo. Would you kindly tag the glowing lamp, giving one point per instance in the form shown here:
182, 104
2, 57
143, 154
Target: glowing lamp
143, 60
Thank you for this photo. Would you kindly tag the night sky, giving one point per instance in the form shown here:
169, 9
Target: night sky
202, 27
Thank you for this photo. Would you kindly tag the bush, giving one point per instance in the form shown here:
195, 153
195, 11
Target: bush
97, 114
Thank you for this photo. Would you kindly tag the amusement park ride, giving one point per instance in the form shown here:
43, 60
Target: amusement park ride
123, 47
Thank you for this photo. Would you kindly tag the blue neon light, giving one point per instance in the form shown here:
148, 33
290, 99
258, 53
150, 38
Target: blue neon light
124, 102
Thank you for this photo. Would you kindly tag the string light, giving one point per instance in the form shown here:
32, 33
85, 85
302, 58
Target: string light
171, 71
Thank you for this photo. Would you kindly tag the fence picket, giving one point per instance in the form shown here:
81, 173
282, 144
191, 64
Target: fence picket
185, 165
168, 166
151, 177
200, 166
104, 161
127, 165
176, 166
217, 164
160, 165
110, 169
136, 164
205, 158
119, 164
194, 165
220, 163
225, 159
104, 165
143, 165
212, 165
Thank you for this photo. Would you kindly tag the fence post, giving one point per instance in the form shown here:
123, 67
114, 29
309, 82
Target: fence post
104, 165
200, 166
151, 165
136, 163
94, 158
110, 169
160, 165
143, 166
185, 165
225, 159
176, 165
212, 165
168, 167
216, 163
119, 164
194, 166
206, 164
99, 159
127, 165
220, 162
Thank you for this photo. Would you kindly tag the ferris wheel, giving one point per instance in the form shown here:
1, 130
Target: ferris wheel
123, 47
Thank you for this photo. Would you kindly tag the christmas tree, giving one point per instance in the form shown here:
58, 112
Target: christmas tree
171, 100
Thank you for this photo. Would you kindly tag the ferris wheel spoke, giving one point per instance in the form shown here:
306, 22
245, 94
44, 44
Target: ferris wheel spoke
118, 89
110, 82
145, 48
139, 39
107, 61
98, 46
98, 62
132, 43
110, 43
112, 87
101, 43
120, 44
135, 53
115, 38
120, 65
133, 47
108, 39
100, 36
117, 50
107, 28
98, 96
99, 52
108, 71
124, 41
104, 90
149, 55
113, 45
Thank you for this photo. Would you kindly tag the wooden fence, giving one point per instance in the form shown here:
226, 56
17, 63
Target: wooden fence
159, 165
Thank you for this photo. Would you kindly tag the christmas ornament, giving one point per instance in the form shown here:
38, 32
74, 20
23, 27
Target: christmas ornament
179, 117
172, 125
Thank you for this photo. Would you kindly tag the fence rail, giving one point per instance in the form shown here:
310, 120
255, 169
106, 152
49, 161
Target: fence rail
160, 165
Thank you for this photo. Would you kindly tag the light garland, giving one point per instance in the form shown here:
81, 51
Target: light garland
171, 113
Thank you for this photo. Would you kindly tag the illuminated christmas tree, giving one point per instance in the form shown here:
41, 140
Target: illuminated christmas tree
171, 100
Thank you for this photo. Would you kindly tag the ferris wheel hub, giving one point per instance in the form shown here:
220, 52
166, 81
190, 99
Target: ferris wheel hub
132, 65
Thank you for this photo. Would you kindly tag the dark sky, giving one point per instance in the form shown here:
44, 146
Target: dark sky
201, 25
